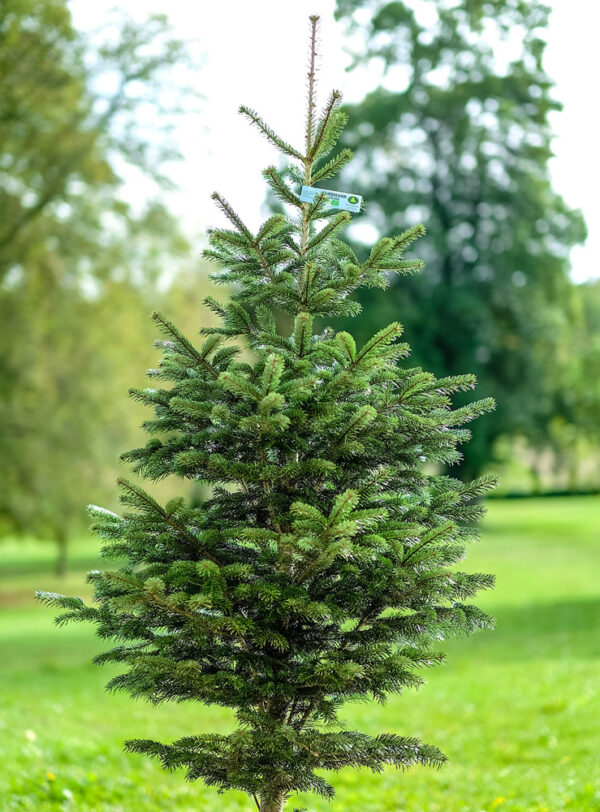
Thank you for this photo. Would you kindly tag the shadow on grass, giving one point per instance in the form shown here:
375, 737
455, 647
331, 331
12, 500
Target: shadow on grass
560, 630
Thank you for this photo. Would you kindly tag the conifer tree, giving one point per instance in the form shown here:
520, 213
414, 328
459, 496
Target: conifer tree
321, 567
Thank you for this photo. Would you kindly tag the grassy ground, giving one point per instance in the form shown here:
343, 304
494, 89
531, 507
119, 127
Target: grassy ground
516, 710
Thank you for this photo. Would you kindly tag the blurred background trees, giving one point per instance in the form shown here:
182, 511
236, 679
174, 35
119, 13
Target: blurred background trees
78, 116
457, 137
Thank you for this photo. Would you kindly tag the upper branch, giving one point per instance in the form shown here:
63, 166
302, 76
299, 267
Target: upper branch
312, 65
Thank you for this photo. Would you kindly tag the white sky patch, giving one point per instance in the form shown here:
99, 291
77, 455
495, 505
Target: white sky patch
573, 61
255, 54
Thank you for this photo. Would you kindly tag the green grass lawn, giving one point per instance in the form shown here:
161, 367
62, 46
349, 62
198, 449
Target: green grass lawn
516, 710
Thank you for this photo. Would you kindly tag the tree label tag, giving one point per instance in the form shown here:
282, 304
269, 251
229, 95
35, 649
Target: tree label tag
341, 200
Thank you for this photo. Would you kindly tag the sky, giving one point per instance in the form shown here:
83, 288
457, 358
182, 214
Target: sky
254, 53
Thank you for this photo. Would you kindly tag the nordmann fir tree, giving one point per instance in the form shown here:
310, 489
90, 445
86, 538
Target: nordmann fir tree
321, 567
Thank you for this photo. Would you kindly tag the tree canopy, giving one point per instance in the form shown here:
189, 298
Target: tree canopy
458, 135
75, 112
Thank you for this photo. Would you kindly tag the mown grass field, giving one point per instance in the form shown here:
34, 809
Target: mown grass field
516, 710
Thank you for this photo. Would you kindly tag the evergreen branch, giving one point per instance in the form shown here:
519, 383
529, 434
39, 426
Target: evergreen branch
307, 713
192, 351
333, 166
233, 239
263, 261
478, 487
334, 101
341, 219
465, 414
302, 332
153, 597
271, 226
315, 206
55, 599
385, 336
143, 496
162, 513
232, 216
415, 385
239, 385
429, 538
216, 307
389, 246
348, 343
267, 491
333, 131
343, 504
342, 507
272, 374
409, 236
269, 134
311, 76
279, 186
456, 383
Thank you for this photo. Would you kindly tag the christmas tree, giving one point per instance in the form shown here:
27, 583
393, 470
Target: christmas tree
321, 566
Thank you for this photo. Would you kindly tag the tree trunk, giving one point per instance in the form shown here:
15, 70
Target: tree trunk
274, 804
536, 478
60, 567
573, 471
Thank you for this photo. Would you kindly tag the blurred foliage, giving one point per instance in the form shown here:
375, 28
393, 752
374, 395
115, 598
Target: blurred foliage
457, 136
76, 112
79, 114
566, 458
582, 388
575, 427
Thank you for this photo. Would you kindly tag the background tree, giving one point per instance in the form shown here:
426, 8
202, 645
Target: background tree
575, 427
458, 136
63, 135
321, 568
74, 253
